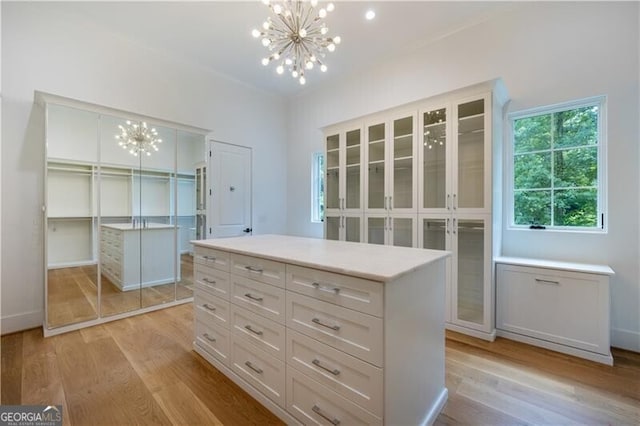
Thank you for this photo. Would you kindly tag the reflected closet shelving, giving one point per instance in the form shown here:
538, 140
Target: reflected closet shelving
113, 218
430, 177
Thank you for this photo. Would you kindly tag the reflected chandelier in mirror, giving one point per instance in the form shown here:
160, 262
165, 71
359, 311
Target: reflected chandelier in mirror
138, 138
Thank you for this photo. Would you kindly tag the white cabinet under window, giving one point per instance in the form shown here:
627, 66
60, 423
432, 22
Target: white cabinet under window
433, 179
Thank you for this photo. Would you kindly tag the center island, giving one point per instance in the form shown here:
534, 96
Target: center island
325, 332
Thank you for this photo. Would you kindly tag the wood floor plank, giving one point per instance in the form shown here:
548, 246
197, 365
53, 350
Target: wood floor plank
183, 407
11, 384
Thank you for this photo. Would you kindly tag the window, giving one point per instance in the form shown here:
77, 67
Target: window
558, 167
317, 187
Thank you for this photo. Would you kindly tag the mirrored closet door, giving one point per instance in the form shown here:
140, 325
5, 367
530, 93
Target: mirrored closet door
121, 209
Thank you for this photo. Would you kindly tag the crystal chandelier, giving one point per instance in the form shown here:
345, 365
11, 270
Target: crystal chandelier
138, 138
296, 36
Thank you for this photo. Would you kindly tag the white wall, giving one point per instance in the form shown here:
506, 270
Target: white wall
546, 53
43, 49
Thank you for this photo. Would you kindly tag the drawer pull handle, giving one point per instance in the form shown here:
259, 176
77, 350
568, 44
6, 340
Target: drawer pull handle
209, 257
317, 286
253, 269
253, 330
540, 280
256, 369
252, 297
318, 411
207, 280
317, 363
332, 327
209, 307
209, 338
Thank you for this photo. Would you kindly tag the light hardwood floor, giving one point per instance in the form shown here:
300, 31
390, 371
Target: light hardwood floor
141, 370
73, 293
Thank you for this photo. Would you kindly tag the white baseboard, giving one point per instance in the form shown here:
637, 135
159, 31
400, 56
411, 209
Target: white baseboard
625, 339
490, 337
19, 322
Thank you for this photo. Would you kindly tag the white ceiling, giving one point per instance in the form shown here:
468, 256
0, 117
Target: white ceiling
217, 34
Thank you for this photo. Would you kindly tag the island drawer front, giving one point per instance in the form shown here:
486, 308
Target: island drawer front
313, 403
211, 309
569, 308
353, 332
348, 376
263, 299
255, 268
214, 340
266, 334
264, 372
351, 292
211, 257
212, 280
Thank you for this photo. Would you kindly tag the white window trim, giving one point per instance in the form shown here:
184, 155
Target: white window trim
315, 195
601, 101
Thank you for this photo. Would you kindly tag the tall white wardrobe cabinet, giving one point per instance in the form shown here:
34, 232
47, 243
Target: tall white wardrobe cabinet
427, 174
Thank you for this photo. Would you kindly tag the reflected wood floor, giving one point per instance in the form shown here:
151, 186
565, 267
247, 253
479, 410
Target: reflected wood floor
73, 293
142, 370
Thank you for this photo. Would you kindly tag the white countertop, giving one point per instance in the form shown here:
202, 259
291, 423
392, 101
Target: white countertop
129, 226
555, 264
370, 261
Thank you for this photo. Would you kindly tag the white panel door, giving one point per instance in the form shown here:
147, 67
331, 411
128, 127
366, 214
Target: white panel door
230, 190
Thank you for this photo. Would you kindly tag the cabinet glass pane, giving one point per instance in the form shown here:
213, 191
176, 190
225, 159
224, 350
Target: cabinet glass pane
471, 154
376, 170
434, 165
402, 163
352, 229
333, 227
434, 235
376, 230
403, 232
333, 174
353, 169
471, 270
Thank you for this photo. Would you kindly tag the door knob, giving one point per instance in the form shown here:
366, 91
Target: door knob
247, 230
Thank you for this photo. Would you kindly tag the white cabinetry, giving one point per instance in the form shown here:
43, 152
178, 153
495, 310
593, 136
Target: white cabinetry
343, 184
324, 331
556, 305
433, 179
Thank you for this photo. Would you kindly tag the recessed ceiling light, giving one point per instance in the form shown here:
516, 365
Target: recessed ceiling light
370, 14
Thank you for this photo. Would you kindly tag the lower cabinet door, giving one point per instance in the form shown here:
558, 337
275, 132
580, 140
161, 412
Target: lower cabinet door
214, 340
313, 404
261, 370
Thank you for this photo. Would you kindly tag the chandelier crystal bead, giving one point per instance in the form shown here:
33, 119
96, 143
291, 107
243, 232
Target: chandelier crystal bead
296, 37
138, 138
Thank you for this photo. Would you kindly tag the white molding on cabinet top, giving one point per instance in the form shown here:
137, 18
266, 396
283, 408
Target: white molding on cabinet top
368, 261
554, 264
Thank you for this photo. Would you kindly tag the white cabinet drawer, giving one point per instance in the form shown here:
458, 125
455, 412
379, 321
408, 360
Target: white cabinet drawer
351, 292
214, 340
353, 332
210, 309
348, 376
313, 404
212, 258
568, 308
260, 298
266, 334
264, 372
212, 280
263, 270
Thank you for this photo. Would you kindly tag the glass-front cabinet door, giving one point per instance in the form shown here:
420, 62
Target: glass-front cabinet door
402, 231
375, 188
434, 153
402, 194
352, 226
332, 185
332, 226
353, 173
472, 275
473, 157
